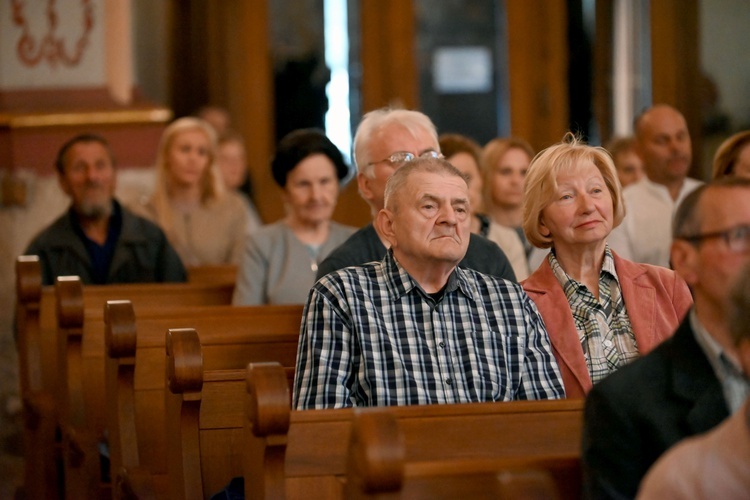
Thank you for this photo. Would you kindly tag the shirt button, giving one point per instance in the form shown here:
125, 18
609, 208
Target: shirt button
608, 343
449, 381
441, 345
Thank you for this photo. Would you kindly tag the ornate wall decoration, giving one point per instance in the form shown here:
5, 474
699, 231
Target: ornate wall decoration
51, 46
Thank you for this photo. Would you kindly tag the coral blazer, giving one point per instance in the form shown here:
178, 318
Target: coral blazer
656, 300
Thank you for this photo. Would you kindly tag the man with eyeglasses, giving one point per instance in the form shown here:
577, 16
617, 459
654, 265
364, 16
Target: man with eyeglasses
692, 381
387, 139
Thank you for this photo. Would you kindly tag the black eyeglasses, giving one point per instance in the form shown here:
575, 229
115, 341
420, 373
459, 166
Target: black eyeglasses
736, 238
401, 157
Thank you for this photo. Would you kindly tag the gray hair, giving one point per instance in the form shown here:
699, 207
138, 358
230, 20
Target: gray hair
397, 181
379, 119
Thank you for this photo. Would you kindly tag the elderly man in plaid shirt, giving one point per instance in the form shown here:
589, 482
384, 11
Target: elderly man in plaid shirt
414, 328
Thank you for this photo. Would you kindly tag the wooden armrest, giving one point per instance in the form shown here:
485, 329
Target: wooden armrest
268, 399
69, 293
184, 361
120, 329
28, 279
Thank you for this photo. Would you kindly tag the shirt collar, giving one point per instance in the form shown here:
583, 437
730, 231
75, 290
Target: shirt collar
569, 284
399, 282
723, 365
113, 228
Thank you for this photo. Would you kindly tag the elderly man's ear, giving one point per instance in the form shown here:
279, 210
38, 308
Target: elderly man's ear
384, 222
363, 184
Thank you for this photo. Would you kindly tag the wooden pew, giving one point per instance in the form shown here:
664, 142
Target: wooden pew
377, 468
290, 452
80, 364
230, 338
35, 331
220, 273
205, 416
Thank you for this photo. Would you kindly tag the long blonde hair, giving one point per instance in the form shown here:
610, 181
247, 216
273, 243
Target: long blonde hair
212, 187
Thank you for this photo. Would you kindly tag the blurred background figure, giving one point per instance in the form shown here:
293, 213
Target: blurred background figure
464, 153
280, 259
231, 160
216, 116
205, 223
504, 163
715, 464
627, 162
733, 156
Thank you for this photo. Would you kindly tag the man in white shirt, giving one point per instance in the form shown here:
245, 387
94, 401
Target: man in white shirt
663, 143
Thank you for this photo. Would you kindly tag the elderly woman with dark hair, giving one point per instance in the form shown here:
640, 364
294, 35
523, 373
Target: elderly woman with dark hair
601, 311
281, 259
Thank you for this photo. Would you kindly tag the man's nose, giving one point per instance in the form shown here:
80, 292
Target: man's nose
448, 216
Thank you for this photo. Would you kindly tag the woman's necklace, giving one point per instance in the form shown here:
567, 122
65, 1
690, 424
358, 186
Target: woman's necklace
313, 251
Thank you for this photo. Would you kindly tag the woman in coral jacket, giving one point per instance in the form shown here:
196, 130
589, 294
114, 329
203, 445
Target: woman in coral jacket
601, 311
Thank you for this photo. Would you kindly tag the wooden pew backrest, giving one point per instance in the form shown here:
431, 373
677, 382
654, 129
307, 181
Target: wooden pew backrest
81, 367
35, 330
377, 467
312, 453
231, 336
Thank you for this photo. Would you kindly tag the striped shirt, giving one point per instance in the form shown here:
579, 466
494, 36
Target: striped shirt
370, 336
603, 325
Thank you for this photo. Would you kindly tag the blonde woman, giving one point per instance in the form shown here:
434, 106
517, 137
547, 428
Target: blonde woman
601, 310
205, 223
464, 153
504, 163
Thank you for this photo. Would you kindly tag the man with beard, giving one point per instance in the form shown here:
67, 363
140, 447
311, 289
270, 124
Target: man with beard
97, 238
662, 141
414, 327
692, 381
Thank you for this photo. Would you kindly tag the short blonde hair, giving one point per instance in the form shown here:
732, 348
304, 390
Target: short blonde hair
541, 182
492, 152
728, 152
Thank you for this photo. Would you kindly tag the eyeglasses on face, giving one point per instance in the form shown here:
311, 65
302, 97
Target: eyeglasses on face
401, 157
736, 238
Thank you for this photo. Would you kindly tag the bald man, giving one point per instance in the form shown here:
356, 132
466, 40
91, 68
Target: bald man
662, 141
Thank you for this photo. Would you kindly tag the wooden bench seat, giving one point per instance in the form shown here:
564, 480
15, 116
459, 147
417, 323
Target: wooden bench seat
290, 452
79, 396
231, 336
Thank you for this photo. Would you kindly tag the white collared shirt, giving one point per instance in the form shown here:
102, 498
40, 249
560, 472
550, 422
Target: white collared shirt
645, 234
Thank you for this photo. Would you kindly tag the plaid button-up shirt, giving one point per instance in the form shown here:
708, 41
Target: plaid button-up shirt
371, 336
603, 324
